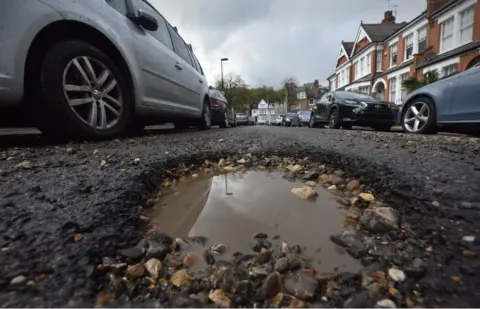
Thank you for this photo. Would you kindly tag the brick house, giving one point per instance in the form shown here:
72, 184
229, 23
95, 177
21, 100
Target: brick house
445, 37
307, 95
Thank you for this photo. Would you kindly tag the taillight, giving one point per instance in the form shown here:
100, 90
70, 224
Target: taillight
215, 101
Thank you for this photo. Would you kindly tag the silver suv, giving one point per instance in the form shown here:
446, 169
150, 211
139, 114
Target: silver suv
98, 68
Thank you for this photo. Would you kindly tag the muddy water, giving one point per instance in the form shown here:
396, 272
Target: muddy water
229, 209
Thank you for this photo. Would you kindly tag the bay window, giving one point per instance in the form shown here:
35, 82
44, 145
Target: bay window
422, 39
379, 60
393, 54
447, 35
404, 91
368, 64
362, 67
466, 26
393, 89
409, 47
357, 70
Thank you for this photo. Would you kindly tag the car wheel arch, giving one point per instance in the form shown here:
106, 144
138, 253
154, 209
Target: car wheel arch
68, 29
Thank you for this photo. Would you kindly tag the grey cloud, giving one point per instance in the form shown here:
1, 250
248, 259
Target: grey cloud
267, 40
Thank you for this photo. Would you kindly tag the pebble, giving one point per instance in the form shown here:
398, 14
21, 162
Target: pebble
436, 203
305, 192
385, 303
397, 275
353, 185
18, 280
154, 267
26, 165
332, 188
218, 249
468, 238
312, 184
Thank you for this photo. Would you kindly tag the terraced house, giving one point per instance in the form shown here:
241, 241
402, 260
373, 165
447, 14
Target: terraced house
445, 37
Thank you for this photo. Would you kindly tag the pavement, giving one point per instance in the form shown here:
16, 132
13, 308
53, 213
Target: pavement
52, 192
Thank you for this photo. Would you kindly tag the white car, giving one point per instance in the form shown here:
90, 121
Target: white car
261, 121
279, 120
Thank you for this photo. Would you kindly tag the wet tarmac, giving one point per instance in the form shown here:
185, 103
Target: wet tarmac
228, 209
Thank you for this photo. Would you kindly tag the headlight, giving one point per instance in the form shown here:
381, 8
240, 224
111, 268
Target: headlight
351, 102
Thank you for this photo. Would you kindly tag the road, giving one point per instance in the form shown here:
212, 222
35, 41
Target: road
50, 192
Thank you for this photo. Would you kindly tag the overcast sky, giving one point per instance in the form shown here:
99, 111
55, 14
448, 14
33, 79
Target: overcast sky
267, 40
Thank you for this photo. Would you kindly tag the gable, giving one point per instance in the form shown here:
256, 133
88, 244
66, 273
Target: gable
341, 61
361, 38
360, 45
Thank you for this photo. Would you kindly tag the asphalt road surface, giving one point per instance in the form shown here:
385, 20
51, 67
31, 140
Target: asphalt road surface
50, 192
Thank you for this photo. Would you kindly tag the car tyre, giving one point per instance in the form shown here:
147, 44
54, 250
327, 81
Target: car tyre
333, 119
430, 125
206, 120
225, 123
64, 109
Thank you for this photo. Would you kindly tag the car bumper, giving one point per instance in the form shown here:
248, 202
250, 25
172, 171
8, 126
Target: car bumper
366, 117
242, 121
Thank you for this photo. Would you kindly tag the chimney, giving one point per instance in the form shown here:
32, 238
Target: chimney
388, 18
315, 88
433, 5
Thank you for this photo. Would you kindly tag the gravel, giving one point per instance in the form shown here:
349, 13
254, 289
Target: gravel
64, 208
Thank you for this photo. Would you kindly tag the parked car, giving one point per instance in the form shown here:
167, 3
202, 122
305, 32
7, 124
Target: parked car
223, 113
304, 115
242, 118
344, 109
451, 103
251, 120
291, 120
261, 120
279, 120
96, 69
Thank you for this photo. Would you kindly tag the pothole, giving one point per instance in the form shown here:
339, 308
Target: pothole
265, 232
229, 208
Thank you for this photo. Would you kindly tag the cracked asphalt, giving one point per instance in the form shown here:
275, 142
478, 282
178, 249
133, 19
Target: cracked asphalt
49, 193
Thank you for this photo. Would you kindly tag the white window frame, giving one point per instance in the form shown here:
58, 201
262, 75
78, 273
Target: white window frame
392, 54
368, 63
362, 67
403, 91
379, 63
450, 36
467, 27
408, 44
449, 69
311, 102
420, 39
357, 70
393, 89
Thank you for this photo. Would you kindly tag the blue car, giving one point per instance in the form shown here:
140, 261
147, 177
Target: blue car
452, 104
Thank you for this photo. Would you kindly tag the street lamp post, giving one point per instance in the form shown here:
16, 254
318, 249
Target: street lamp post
221, 68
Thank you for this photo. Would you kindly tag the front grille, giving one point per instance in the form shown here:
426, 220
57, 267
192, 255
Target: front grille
371, 107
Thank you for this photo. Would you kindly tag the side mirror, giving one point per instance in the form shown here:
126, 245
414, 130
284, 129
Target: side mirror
145, 20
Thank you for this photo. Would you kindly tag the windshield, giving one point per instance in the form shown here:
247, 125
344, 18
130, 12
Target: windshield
306, 113
352, 95
241, 114
291, 114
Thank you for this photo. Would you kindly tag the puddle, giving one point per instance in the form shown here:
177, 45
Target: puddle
228, 209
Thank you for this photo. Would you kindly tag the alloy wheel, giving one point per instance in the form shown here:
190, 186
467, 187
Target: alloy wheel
92, 92
416, 116
332, 121
206, 116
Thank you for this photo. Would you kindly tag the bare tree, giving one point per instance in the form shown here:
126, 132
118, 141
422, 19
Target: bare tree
290, 84
235, 89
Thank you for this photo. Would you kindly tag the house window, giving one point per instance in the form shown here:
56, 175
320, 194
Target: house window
272, 112
466, 26
393, 54
362, 67
379, 60
404, 91
311, 102
409, 47
301, 95
363, 89
368, 65
449, 70
422, 39
357, 70
393, 89
447, 34
347, 76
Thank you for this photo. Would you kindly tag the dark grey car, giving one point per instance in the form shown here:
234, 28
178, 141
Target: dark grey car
223, 113
291, 120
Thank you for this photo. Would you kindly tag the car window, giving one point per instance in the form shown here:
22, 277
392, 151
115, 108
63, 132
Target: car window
324, 98
118, 5
352, 95
194, 64
304, 113
180, 47
162, 32
200, 70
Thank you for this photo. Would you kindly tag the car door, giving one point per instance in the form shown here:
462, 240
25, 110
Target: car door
322, 107
465, 106
190, 83
157, 60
